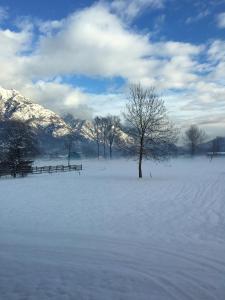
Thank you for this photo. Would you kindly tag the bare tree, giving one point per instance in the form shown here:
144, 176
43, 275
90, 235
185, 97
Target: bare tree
69, 146
96, 133
215, 148
75, 129
93, 131
193, 137
151, 130
74, 123
114, 127
104, 129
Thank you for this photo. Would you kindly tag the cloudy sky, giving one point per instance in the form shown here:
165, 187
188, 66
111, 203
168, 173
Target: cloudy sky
80, 56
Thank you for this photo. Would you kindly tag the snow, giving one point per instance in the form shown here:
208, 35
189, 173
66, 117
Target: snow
25, 110
5, 94
108, 235
21, 108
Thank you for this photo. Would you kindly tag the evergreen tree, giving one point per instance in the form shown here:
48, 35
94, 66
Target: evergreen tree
18, 146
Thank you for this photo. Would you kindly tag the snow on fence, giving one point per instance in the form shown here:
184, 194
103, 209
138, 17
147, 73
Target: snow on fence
39, 170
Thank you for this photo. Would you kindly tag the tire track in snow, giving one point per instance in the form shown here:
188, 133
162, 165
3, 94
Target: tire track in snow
167, 284
200, 285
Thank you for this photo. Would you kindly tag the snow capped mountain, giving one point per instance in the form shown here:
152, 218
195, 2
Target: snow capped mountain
87, 130
14, 106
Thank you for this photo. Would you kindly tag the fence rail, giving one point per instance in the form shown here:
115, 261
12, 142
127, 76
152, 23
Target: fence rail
39, 170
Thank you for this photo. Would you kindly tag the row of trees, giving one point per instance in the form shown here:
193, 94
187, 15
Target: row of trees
152, 134
106, 131
146, 133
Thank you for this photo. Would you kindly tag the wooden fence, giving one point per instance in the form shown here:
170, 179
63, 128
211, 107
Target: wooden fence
39, 170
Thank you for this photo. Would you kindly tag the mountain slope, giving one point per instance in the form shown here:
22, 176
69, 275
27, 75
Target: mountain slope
14, 106
51, 128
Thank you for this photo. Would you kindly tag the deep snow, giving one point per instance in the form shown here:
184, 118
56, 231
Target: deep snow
108, 235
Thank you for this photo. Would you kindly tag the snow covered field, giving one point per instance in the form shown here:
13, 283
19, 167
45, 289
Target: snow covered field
107, 235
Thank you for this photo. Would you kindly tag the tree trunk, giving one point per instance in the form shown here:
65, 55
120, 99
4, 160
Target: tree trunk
104, 149
110, 151
140, 159
98, 149
192, 149
68, 159
69, 155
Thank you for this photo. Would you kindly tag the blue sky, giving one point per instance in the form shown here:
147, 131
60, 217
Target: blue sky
80, 56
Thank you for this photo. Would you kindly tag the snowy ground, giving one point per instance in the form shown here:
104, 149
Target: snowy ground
107, 235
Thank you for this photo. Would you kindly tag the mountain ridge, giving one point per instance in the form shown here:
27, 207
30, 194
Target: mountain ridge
14, 106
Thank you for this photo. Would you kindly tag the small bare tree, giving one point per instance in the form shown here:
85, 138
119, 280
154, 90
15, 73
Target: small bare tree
215, 148
75, 129
104, 130
96, 133
69, 146
193, 137
150, 128
114, 127
74, 123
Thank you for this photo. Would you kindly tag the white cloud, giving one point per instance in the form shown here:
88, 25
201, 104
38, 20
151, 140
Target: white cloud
216, 50
50, 27
96, 42
92, 42
107, 103
201, 15
13, 44
216, 55
158, 24
129, 9
221, 20
3, 13
54, 94
59, 97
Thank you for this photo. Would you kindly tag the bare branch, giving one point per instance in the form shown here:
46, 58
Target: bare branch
151, 130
